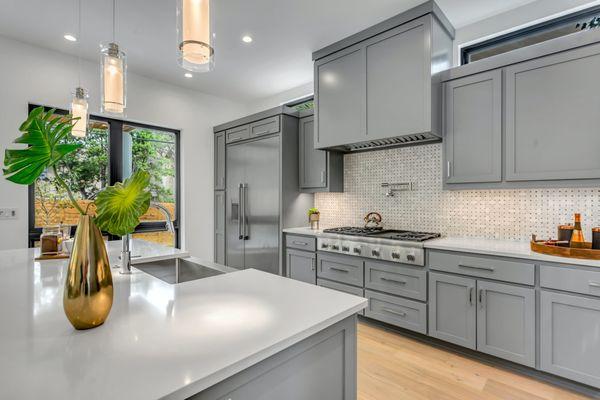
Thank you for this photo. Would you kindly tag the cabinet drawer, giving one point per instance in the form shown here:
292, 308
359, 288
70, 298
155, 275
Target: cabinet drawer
344, 269
484, 267
570, 279
301, 242
342, 288
396, 279
237, 134
404, 313
264, 127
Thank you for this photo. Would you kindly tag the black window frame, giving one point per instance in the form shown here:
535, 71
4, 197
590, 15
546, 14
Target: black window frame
115, 174
527, 31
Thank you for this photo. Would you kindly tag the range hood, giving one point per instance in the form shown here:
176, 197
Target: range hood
405, 140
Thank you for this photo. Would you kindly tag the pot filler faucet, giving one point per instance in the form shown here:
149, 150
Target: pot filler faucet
125, 251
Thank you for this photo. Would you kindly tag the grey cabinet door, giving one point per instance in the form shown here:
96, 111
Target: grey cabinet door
506, 322
552, 117
301, 266
569, 327
340, 94
473, 128
313, 162
399, 81
220, 161
220, 227
452, 312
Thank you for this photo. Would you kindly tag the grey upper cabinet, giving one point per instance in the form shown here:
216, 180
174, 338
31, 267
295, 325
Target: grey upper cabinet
320, 171
452, 313
569, 327
375, 88
340, 103
301, 266
399, 81
219, 161
266, 126
473, 128
506, 321
552, 118
220, 227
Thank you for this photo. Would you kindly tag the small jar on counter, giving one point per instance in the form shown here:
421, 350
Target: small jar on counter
50, 240
596, 238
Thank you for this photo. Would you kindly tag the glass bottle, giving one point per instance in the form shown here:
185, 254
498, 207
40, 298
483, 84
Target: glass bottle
577, 239
50, 240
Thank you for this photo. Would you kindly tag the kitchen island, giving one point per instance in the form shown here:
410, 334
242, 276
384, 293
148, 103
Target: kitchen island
241, 335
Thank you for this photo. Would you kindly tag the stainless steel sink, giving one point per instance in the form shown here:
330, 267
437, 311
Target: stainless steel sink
177, 270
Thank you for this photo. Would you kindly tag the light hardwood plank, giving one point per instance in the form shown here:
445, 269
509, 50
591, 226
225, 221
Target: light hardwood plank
394, 367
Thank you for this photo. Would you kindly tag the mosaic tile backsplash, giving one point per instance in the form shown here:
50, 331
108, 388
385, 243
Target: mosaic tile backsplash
495, 214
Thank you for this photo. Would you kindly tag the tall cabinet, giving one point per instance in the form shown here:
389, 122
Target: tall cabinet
219, 197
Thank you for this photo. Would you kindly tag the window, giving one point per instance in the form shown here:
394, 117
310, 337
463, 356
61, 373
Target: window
561, 26
304, 104
110, 152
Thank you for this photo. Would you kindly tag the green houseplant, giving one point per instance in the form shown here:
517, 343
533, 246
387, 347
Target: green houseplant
313, 217
88, 293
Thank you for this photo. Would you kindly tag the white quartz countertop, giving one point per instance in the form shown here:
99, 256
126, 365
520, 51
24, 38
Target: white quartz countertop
160, 340
506, 248
493, 247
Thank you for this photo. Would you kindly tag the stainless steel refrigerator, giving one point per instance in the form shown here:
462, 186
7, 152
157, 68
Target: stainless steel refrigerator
252, 205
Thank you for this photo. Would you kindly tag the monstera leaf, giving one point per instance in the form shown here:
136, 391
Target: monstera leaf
119, 207
43, 133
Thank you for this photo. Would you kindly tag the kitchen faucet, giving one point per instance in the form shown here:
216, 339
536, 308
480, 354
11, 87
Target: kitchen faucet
125, 248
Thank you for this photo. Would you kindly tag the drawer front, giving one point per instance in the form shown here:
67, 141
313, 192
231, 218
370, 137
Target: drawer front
483, 267
570, 280
340, 287
404, 313
343, 269
301, 242
237, 134
265, 127
396, 279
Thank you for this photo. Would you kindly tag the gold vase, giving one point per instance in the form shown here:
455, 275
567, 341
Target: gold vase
88, 293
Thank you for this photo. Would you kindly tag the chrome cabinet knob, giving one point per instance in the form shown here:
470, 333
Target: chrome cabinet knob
395, 255
335, 247
324, 245
356, 250
345, 248
375, 252
410, 257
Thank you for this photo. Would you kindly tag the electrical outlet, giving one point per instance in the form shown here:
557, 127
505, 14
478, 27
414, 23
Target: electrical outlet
8, 213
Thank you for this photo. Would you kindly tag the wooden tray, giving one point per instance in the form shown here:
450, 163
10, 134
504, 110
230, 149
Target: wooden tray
59, 256
586, 253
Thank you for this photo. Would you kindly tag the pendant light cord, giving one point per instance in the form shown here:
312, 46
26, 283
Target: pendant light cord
79, 43
114, 20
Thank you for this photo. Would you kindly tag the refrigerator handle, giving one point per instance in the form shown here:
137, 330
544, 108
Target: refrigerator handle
240, 205
245, 217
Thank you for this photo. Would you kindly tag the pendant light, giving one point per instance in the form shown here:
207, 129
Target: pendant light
114, 73
195, 31
79, 104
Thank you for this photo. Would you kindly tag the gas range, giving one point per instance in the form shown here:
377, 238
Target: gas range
374, 242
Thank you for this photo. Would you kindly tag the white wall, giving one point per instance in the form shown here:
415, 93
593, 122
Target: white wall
514, 19
30, 74
282, 98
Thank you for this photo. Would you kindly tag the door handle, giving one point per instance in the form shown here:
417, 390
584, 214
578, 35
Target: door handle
398, 313
339, 270
481, 298
383, 278
314, 264
240, 212
471, 290
322, 176
245, 217
476, 267
296, 242
448, 169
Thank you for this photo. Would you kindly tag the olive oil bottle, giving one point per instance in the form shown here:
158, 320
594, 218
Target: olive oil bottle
577, 239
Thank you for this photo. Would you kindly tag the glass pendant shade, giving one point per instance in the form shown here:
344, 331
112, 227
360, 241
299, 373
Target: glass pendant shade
114, 83
195, 32
79, 109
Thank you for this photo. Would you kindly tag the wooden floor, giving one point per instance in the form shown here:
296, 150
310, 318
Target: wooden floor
394, 367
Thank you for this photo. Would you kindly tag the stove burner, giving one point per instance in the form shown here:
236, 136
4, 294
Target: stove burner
392, 234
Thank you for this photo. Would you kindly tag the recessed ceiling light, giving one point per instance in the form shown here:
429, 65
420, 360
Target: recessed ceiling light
70, 37
188, 75
247, 39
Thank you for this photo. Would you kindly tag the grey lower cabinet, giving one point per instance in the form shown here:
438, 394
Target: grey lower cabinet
552, 117
569, 333
320, 170
473, 128
323, 366
452, 309
219, 153
219, 227
301, 265
494, 318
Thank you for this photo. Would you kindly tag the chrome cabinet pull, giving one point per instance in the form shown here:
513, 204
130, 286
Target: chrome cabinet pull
240, 201
476, 267
314, 264
323, 176
299, 243
339, 269
482, 298
398, 313
594, 284
471, 289
448, 170
245, 217
400, 282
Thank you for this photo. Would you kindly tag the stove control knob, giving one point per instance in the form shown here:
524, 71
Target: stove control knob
375, 252
410, 257
345, 248
395, 255
356, 250
335, 247
324, 245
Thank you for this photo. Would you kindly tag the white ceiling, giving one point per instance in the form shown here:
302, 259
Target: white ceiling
285, 34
